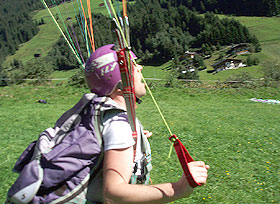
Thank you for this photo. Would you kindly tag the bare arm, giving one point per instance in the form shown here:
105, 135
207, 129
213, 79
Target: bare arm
117, 172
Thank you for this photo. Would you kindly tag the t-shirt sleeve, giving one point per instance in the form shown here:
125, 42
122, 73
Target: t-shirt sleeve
117, 132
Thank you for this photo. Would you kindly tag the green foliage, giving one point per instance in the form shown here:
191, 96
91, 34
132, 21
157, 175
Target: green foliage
250, 61
62, 57
157, 33
221, 55
16, 64
186, 68
171, 79
217, 32
16, 26
41, 22
160, 31
239, 7
243, 79
180, 70
3, 78
36, 71
78, 79
206, 49
271, 72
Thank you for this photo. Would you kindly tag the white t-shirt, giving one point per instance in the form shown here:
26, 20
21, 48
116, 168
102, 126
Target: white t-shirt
117, 134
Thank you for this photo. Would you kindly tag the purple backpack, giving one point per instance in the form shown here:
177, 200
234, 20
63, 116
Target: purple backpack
58, 166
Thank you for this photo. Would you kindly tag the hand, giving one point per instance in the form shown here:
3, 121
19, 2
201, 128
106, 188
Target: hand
147, 133
199, 170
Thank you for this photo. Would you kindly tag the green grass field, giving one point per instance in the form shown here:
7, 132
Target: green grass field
238, 138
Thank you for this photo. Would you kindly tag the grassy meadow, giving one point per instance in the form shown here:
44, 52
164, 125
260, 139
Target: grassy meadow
238, 138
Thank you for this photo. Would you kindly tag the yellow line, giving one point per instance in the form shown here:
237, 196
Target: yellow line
157, 106
43, 1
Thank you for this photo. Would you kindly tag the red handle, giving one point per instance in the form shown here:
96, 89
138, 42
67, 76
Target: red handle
184, 158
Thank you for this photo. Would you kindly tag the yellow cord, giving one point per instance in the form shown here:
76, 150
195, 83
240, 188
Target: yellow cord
163, 118
46, 6
157, 106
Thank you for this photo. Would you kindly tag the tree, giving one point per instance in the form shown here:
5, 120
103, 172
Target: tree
16, 26
34, 69
3, 78
250, 61
271, 71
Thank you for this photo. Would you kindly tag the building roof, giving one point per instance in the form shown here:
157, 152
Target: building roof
223, 61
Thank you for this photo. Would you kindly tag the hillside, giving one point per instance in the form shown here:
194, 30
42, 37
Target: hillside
48, 34
265, 28
16, 26
236, 7
237, 137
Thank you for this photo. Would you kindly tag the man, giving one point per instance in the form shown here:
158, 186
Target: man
121, 160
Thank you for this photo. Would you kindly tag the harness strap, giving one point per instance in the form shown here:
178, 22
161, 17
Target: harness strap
145, 163
184, 158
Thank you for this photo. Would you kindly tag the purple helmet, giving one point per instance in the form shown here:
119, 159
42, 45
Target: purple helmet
102, 71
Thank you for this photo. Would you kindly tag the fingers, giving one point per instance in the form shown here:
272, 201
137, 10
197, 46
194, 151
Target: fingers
199, 171
147, 133
198, 163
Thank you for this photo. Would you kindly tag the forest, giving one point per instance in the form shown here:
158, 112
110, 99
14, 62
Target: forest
166, 31
16, 25
160, 29
236, 7
160, 33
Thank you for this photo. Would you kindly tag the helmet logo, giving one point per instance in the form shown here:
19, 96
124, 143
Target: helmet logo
108, 68
103, 60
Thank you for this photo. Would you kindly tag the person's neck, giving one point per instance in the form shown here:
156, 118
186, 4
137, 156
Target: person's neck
117, 96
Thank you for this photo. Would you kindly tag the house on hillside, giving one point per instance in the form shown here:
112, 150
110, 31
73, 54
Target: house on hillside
239, 49
189, 55
225, 64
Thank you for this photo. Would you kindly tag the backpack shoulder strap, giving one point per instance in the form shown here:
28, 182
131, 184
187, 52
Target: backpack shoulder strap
71, 117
